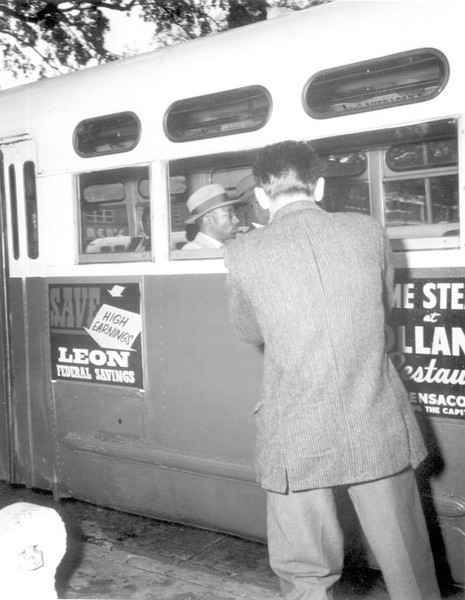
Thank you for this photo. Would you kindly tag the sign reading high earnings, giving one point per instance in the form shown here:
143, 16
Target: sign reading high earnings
426, 340
95, 333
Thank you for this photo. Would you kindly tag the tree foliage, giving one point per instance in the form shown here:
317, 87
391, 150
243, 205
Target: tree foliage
64, 35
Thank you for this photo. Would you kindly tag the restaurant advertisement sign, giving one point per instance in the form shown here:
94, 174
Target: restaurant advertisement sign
95, 333
426, 340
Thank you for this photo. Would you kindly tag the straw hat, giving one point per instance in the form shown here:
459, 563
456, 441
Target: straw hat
205, 199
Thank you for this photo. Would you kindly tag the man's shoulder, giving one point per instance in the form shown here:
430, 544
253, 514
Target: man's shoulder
245, 241
358, 221
243, 245
356, 217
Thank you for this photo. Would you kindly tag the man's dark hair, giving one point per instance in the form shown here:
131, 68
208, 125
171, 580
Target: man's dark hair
288, 167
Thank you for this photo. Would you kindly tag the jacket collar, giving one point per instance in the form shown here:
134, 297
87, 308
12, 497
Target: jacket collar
295, 206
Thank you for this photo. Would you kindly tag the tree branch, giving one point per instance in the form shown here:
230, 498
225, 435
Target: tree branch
43, 57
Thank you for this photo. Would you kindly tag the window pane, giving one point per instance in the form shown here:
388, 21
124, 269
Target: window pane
32, 227
344, 195
405, 202
445, 199
231, 171
109, 134
115, 217
105, 192
405, 157
144, 188
384, 82
343, 165
430, 204
14, 210
345, 190
214, 115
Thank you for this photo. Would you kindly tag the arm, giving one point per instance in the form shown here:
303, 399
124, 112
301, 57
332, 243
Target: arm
388, 271
240, 309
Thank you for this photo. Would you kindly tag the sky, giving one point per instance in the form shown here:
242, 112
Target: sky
130, 33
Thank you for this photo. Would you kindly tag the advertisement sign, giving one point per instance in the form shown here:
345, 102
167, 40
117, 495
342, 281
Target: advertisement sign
95, 333
426, 340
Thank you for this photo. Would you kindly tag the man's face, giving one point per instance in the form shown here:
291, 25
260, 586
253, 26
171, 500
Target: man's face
223, 223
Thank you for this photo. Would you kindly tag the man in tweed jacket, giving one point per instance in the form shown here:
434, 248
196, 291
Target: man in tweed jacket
312, 288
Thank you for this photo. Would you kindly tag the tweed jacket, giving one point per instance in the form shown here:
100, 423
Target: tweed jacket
312, 288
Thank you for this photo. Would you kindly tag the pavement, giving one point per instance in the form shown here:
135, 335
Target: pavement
116, 555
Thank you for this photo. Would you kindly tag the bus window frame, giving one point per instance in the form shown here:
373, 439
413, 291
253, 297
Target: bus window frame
371, 61
110, 151
14, 211
216, 95
419, 243
112, 257
206, 166
31, 209
376, 143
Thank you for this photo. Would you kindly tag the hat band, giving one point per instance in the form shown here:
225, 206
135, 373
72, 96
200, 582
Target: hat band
210, 203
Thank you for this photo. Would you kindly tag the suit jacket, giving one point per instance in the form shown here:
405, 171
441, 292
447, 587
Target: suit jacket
312, 288
200, 241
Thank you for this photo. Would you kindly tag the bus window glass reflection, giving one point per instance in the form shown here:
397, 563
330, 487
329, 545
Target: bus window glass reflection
346, 183
30, 194
407, 177
115, 213
14, 210
421, 195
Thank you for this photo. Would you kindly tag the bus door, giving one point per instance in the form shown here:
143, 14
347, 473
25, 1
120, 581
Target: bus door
6, 425
26, 446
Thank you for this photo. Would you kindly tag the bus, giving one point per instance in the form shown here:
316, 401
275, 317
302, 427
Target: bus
123, 383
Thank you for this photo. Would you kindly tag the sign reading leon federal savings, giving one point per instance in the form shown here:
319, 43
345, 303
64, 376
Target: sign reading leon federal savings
95, 333
426, 339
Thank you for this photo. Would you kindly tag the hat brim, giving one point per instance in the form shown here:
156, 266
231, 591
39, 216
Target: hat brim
194, 218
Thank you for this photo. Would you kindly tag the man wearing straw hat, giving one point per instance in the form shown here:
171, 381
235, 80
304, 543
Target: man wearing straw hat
212, 212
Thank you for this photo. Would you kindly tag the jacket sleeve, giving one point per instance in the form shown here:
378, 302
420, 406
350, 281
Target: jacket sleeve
241, 311
388, 271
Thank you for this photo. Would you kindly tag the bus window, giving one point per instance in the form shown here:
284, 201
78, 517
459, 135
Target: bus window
384, 82
213, 115
30, 194
115, 215
406, 177
346, 185
108, 134
14, 210
187, 176
420, 181
436, 153
423, 201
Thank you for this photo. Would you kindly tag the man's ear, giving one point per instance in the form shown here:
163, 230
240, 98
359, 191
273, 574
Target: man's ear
262, 198
319, 190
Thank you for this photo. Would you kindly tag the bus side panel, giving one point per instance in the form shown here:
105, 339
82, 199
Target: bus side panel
33, 432
435, 308
441, 477
182, 448
42, 423
5, 426
205, 381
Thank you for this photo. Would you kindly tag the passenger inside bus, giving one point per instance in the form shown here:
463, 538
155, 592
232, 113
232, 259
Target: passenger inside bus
213, 213
257, 216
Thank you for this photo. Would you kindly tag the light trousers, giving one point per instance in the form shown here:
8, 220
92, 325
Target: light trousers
306, 545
